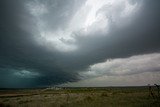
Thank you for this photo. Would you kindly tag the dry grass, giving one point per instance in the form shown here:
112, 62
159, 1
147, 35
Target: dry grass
80, 97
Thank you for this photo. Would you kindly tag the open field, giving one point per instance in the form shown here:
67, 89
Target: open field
80, 97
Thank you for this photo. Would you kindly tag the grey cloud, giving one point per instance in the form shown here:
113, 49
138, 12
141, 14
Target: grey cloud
125, 66
26, 74
141, 79
59, 12
139, 37
19, 50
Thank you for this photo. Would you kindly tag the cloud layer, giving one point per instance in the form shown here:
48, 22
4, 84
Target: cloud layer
141, 79
125, 66
53, 41
58, 30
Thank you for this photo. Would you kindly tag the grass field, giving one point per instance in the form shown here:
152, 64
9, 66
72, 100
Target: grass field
80, 97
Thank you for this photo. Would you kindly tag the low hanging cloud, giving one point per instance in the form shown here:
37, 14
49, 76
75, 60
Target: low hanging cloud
125, 66
141, 79
137, 70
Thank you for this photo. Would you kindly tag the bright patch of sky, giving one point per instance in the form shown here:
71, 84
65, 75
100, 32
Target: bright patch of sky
91, 17
125, 66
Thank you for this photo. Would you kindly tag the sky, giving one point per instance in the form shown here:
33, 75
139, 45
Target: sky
79, 43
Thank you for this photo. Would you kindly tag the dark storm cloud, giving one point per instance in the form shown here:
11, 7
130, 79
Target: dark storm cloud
58, 13
19, 51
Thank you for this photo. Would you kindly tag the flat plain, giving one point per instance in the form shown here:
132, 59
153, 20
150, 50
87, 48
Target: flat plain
80, 97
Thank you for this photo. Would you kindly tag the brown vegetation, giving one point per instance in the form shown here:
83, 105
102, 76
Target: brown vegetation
80, 97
